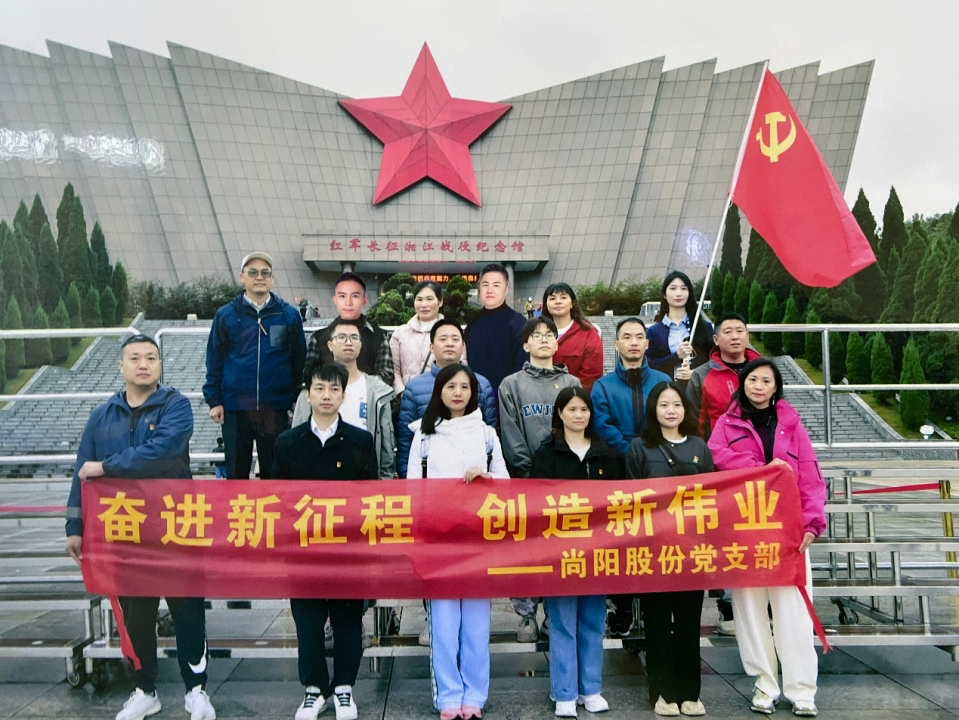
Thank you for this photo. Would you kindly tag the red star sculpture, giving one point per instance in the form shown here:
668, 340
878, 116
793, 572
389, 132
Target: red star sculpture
425, 132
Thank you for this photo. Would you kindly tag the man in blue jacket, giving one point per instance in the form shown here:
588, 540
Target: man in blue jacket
619, 415
144, 432
446, 345
254, 362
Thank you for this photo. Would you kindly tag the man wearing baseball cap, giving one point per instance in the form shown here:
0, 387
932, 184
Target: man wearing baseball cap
254, 360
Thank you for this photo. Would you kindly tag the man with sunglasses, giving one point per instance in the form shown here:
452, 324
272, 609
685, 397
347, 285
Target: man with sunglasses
254, 362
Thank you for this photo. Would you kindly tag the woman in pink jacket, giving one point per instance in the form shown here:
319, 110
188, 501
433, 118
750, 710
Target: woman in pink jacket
761, 428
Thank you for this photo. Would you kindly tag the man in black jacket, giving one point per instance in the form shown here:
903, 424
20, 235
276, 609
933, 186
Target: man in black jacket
326, 448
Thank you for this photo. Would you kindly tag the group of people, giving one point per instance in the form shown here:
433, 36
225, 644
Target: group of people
532, 401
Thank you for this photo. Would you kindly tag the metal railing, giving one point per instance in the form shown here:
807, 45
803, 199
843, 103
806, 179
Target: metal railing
827, 387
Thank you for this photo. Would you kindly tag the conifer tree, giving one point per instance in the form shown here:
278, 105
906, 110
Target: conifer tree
90, 308
947, 301
894, 233
60, 347
21, 219
793, 342
857, 370
108, 307
926, 287
28, 261
758, 248
38, 218
913, 404
63, 216
49, 273
3, 365
741, 297
883, 371
756, 301
837, 357
121, 291
731, 260
102, 272
12, 320
716, 293
813, 351
866, 220
772, 315
38, 350
953, 229
11, 267
74, 310
901, 306
729, 294
75, 259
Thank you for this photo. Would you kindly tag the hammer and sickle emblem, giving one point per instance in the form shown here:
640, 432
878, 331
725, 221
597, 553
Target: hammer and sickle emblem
775, 147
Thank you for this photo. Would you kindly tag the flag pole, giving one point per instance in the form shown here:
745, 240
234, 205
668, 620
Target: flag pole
729, 201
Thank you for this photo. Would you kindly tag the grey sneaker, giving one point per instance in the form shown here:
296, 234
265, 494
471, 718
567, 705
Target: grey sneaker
527, 631
805, 708
762, 703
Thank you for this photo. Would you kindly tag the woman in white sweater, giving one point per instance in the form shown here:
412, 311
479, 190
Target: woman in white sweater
410, 344
452, 441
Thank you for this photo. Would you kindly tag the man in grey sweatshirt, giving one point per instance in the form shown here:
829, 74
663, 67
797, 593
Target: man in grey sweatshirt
526, 401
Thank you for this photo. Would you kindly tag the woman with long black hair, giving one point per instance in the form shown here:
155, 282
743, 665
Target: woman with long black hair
670, 448
452, 440
671, 341
580, 347
761, 428
576, 623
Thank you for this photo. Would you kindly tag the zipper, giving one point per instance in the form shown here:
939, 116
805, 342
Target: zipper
259, 344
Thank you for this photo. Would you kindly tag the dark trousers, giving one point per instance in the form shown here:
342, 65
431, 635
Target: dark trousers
189, 616
621, 617
241, 428
346, 619
672, 622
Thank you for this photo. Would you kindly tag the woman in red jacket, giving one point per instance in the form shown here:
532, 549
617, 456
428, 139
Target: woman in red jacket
761, 428
580, 347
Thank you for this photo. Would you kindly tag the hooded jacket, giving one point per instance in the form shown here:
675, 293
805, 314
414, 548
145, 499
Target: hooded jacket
417, 396
554, 460
526, 400
149, 441
410, 347
736, 444
379, 421
711, 388
254, 360
581, 351
619, 408
455, 447
493, 341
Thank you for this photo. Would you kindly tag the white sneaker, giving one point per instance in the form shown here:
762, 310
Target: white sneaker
692, 707
805, 708
343, 702
424, 638
139, 705
762, 703
197, 703
666, 709
313, 704
593, 703
726, 627
565, 708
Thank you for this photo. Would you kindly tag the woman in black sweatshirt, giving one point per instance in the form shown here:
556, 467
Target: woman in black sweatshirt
576, 623
669, 448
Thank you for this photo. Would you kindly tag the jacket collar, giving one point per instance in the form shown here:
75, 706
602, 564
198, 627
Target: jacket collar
537, 372
158, 397
621, 371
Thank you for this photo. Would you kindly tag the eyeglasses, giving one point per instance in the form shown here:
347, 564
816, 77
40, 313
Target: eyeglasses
265, 274
537, 336
343, 338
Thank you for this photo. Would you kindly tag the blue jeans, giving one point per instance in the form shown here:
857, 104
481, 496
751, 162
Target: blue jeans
459, 652
576, 626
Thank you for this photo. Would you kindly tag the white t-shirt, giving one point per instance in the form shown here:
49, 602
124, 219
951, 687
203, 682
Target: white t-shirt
354, 408
581, 452
562, 331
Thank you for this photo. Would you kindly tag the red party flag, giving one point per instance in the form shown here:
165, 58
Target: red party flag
791, 198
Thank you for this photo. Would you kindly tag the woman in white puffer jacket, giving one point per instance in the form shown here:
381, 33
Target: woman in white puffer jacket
453, 441
410, 343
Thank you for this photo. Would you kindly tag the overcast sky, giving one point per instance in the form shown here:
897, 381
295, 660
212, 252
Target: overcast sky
495, 49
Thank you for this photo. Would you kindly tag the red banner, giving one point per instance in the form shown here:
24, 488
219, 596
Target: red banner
441, 538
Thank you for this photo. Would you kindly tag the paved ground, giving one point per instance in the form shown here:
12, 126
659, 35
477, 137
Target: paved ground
853, 684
